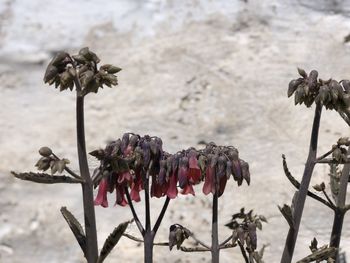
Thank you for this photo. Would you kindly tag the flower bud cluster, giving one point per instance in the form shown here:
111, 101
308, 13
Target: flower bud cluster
244, 227
330, 93
49, 161
133, 161
65, 71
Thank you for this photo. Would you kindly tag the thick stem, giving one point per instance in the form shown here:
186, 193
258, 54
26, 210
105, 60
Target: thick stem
300, 202
148, 246
339, 215
87, 187
215, 250
340, 211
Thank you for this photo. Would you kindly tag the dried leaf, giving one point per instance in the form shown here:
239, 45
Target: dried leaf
44, 178
76, 228
112, 240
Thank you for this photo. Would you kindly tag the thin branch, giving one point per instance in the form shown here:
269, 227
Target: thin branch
328, 199
297, 185
331, 160
182, 248
136, 218
161, 215
199, 241
325, 155
225, 241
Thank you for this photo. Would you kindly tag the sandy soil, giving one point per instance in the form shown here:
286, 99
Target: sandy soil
192, 71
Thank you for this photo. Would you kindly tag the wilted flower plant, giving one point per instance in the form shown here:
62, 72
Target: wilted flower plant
83, 73
334, 95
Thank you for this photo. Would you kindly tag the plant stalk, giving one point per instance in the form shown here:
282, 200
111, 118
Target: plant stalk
215, 249
300, 201
339, 213
87, 186
148, 246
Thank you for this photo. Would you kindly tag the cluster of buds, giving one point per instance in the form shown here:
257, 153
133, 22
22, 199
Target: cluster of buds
244, 227
48, 160
330, 93
133, 161
65, 71
177, 235
339, 151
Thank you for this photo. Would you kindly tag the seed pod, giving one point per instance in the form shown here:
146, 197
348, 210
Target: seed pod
45, 151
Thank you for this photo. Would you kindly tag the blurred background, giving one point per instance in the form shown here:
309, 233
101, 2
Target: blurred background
193, 71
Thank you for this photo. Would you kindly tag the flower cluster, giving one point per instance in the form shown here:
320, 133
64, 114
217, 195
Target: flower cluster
330, 93
134, 161
65, 71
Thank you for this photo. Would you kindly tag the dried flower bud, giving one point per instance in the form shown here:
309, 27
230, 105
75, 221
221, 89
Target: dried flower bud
59, 58
110, 69
302, 73
45, 151
50, 74
89, 55
319, 187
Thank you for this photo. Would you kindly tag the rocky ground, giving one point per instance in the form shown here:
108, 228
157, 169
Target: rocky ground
192, 71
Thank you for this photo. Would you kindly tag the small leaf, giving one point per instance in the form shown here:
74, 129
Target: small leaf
302, 73
112, 240
76, 228
44, 178
319, 187
287, 213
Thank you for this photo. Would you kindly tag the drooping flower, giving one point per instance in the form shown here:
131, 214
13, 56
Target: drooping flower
172, 189
194, 172
101, 198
